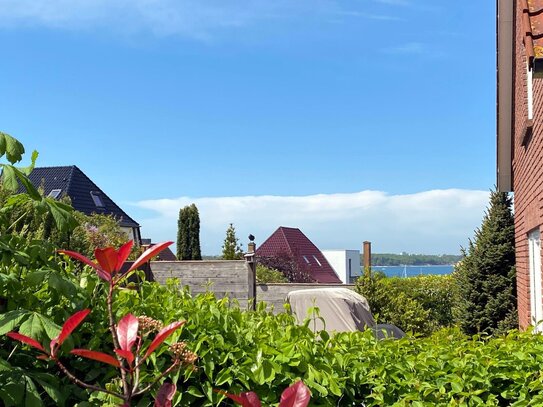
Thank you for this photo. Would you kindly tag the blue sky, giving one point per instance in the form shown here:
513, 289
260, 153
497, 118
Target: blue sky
164, 102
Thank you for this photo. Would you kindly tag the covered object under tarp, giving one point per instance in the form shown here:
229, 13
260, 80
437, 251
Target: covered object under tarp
342, 309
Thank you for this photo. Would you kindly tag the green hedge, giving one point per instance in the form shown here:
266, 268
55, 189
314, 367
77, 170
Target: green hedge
421, 304
240, 350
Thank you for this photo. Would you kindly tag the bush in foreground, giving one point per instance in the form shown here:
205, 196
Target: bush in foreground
242, 351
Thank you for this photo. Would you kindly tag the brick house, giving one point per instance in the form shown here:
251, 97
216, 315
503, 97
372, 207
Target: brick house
520, 141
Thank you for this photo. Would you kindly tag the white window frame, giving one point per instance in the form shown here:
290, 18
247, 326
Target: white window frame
536, 288
54, 193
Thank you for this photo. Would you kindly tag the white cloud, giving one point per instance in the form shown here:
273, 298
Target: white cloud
437, 221
194, 18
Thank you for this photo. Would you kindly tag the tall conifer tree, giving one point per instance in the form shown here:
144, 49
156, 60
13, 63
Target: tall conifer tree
486, 276
194, 234
231, 249
188, 234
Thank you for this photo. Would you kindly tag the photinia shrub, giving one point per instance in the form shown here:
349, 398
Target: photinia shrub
131, 347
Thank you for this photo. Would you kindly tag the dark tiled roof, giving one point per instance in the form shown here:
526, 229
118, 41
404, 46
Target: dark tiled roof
74, 183
532, 27
293, 242
165, 255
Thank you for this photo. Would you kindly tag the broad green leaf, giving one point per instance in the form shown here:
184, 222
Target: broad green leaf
11, 148
51, 386
36, 277
31, 395
61, 285
51, 329
32, 327
11, 319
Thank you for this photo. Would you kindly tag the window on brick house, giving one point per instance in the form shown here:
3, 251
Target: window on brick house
534, 266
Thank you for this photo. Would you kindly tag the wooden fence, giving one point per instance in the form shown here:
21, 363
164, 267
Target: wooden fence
223, 277
229, 277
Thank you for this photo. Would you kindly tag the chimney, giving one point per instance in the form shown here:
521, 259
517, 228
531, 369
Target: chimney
367, 255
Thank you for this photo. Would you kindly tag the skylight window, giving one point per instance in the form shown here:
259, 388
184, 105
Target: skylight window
97, 199
306, 259
317, 260
55, 193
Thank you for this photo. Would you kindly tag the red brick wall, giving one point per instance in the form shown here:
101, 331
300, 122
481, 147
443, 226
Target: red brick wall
527, 170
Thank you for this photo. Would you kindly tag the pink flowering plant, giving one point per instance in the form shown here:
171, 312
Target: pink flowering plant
131, 336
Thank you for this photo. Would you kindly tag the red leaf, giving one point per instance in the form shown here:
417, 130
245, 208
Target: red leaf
123, 253
249, 399
297, 395
147, 254
25, 339
107, 258
126, 354
70, 324
101, 273
99, 356
165, 395
127, 331
161, 336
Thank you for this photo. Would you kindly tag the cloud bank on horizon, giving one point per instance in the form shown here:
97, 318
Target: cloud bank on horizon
430, 222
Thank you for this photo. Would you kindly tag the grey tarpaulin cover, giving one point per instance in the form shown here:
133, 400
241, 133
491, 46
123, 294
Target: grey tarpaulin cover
343, 309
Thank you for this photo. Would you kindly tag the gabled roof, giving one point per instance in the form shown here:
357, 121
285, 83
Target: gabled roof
294, 243
84, 193
532, 28
165, 255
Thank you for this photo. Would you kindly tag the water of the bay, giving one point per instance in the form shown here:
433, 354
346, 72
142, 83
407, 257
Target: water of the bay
412, 271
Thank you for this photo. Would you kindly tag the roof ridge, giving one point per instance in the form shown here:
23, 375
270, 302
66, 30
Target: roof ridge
291, 250
70, 177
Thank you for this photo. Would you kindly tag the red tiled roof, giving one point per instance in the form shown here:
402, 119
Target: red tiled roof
532, 27
294, 243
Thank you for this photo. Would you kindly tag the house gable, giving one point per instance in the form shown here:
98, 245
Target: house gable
294, 243
85, 195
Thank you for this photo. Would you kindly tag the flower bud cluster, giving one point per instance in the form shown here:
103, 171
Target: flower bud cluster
182, 354
148, 324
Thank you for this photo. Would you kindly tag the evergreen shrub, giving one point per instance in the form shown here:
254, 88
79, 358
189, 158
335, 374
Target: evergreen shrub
421, 304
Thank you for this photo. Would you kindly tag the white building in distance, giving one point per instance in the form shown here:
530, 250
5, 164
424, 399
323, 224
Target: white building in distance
346, 263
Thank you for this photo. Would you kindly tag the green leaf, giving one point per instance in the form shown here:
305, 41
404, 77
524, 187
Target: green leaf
36, 277
51, 329
11, 148
194, 391
224, 376
61, 285
32, 327
31, 395
51, 386
11, 319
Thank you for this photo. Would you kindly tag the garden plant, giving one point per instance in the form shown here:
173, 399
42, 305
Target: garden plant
126, 333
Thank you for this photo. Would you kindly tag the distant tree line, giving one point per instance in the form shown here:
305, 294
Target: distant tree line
391, 259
